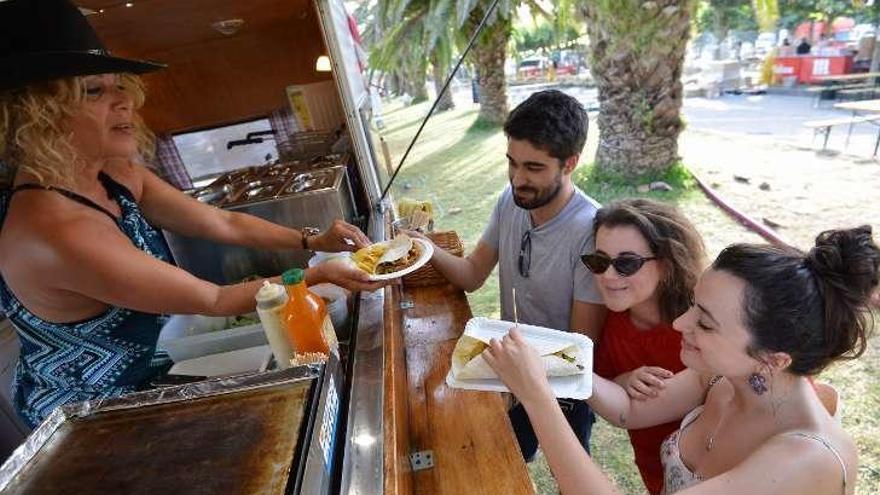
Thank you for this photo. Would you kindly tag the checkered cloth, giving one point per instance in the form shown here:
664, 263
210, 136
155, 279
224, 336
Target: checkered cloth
283, 125
170, 165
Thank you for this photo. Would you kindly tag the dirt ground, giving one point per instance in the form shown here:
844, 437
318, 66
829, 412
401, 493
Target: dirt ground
803, 193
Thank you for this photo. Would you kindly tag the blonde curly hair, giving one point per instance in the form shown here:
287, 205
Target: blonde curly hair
33, 134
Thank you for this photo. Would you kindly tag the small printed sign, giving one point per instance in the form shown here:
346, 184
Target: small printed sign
821, 67
327, 434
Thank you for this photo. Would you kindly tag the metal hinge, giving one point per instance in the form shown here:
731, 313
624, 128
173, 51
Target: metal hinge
423, 459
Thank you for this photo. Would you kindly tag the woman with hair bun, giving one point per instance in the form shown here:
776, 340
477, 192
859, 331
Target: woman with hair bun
764, 319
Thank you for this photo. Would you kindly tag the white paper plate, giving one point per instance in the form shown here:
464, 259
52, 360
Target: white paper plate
427, 252
569, 387
424, 257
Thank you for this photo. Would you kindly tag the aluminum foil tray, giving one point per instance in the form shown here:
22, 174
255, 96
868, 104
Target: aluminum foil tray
233, 435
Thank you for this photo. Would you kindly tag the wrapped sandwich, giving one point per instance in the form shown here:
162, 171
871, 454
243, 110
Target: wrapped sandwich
560, 358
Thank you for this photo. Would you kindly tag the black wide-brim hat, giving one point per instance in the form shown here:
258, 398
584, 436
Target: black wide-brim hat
41, 40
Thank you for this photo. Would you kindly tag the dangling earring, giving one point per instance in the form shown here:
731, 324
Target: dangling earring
758, 383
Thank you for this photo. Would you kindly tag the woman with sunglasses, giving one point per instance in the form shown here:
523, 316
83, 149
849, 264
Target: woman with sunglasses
647, 260
764, 319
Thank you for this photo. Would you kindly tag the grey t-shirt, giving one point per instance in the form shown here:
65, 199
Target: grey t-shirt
556, 276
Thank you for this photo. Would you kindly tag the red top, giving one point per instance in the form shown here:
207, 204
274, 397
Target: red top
623, 348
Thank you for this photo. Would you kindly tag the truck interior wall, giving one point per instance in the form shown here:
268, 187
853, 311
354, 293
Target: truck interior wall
213, 79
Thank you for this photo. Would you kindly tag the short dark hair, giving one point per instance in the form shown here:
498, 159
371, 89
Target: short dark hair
814, 306
551, 121
672, 238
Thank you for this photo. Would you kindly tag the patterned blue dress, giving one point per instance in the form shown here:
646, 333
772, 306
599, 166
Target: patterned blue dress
105, 356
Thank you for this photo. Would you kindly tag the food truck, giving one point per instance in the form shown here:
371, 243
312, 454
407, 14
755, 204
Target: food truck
377, 418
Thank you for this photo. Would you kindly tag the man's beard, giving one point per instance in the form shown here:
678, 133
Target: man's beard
540, 197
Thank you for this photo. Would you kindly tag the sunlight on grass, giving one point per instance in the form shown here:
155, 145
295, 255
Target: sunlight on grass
462, 170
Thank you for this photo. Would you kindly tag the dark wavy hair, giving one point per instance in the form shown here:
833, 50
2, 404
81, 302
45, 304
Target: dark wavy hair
815, 306
551, 121
672, 238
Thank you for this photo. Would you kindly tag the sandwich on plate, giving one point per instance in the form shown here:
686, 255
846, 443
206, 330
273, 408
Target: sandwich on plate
388, 257
560, 358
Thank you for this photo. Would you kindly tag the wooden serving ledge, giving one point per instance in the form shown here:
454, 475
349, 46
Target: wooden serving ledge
473, 445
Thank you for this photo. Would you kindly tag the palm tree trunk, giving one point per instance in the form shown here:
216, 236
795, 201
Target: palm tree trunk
489, 54
637, 51
419, 83
446, 102
395, 85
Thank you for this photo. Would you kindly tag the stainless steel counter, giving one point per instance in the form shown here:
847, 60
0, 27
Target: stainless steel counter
281, 194
363, 463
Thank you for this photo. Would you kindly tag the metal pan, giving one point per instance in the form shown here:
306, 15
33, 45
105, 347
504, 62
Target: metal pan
234, 435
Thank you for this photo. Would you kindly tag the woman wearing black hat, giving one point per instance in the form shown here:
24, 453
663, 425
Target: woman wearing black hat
85, 272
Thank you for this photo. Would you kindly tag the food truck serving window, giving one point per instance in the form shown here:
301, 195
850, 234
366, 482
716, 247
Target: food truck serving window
210, 152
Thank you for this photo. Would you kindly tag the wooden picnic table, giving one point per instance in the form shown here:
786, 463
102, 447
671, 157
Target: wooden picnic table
833, 86
844, 78
863, 107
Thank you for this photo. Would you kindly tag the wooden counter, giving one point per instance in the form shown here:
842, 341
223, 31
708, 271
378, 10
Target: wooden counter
474, 449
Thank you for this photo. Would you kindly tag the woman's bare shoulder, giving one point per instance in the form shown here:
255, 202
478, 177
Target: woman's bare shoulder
826, 451
45, 223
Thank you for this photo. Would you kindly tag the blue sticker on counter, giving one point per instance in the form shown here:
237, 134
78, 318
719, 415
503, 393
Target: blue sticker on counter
327, 435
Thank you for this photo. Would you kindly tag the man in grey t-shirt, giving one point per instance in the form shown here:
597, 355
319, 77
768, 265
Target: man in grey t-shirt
541, 225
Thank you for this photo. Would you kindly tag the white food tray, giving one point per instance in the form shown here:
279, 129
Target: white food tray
571, 387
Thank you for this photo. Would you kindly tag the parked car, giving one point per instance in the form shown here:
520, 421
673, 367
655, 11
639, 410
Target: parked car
532, 68
567, 62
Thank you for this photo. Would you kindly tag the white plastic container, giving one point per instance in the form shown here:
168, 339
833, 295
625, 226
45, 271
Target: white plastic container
336, 299
271, 299
191, 336
573, 386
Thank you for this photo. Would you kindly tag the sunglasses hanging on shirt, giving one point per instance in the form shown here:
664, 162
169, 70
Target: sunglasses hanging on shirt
525, 254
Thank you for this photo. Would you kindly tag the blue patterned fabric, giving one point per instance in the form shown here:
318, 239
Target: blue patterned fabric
105, 356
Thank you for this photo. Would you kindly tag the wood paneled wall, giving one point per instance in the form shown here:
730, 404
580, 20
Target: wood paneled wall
214, 79
230, 79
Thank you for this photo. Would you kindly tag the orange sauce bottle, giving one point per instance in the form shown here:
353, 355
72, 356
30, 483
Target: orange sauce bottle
305, 317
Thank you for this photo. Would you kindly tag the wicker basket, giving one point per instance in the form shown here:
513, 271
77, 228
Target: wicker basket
428, 275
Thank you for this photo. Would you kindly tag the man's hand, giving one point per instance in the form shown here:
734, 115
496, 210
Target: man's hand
341, 236
647, 382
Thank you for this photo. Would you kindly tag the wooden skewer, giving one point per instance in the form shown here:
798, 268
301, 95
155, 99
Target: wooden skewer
515, 318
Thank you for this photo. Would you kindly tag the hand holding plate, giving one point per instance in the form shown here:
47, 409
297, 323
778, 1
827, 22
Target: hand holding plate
346, 275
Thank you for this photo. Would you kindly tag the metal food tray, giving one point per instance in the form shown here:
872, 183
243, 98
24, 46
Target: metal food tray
231, 435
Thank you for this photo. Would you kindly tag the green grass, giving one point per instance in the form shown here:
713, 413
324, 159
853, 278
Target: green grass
605, 187
461, 167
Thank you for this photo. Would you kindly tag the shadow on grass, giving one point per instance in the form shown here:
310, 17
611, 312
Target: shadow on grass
401, 127
413, 124
470, 144
480, 127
